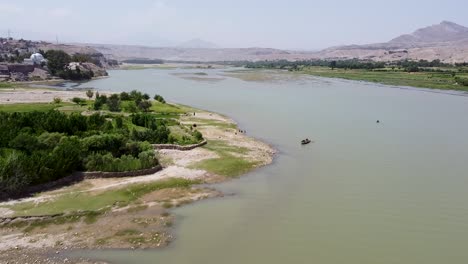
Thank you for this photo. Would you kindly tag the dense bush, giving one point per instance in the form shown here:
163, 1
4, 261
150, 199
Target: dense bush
198, 136
462, 81
114, 103
159, 98
160, 135
57, 60
38, 147
107, 162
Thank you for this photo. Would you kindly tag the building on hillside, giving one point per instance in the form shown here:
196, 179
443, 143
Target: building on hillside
36, 59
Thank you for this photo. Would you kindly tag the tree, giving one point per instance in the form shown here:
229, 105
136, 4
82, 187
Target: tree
90, 94
136, 96
145, 105
119, 122
114, 103
146, 96
159, 99
100, 101
78, 101
333, 65
57, 100
124, 96
131, 107
57, 60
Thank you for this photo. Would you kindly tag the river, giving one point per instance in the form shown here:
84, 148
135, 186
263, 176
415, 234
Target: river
364, 192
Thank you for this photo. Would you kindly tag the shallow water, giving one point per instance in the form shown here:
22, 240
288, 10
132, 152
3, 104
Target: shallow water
393, 192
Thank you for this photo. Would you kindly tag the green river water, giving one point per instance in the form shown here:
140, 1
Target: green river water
393, 192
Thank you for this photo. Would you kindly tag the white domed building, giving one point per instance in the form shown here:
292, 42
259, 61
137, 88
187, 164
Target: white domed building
37, 59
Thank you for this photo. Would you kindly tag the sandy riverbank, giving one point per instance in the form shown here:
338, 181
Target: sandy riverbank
143, 223
38, 95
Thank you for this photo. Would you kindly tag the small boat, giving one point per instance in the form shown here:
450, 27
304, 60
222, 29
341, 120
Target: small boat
305, 141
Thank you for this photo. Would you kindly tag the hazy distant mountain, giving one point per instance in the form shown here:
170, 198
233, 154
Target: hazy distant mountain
443, 32
197, 44
446, 41
126, 52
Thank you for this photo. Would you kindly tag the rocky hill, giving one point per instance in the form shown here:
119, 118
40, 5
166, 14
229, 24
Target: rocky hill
98, 57
15, 64
443, 32
446, 41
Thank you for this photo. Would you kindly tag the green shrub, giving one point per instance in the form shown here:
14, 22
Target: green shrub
108, 163
462, 81
159, 98
114, 103
198, 136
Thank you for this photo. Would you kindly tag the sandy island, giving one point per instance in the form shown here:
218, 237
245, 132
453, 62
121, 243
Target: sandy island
144, 223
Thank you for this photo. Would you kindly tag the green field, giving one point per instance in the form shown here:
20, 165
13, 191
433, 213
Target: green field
229, 164
167, 108
75, 202
29, 107
434, 80
43, 107
4, 85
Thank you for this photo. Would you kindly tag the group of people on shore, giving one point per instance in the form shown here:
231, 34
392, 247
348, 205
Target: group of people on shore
241, 131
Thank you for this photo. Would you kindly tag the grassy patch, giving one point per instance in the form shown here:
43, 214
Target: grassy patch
60, 220
127, 232
254, 75
136, 240
72, 108
182, 135
167, 108
42, 107
70, 203
91, 217
435, 80
4, 85
222, 147
229, 163
211, 122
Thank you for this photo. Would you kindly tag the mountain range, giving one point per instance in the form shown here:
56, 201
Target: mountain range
446, 41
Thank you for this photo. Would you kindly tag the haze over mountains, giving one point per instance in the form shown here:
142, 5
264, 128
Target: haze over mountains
446, 41
198, 44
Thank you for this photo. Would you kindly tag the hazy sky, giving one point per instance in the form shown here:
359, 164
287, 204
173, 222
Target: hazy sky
299, 24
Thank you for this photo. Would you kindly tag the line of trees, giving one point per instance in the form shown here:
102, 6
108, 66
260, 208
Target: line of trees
406, 65
297, 65
130, 102
38, 147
